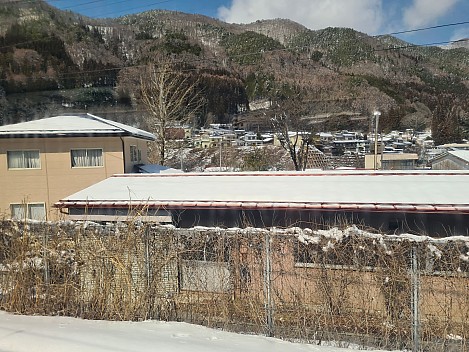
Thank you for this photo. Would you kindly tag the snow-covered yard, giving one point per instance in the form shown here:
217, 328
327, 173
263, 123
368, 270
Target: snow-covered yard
57, 334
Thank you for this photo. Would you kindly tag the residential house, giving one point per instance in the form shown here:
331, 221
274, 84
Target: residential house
325, 137
207, 140
451, 160
44, 160
294, 137
175, 133
258, 121
229, 139
350, 146
252, 139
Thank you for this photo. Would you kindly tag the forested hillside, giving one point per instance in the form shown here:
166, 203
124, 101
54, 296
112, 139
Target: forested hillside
53, 61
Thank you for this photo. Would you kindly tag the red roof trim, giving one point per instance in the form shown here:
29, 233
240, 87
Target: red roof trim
416, 208
358, 172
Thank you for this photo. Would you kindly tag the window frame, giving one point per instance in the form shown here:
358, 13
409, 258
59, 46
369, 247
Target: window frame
27, 210
204, 269
87, 166
23, 151
135, 154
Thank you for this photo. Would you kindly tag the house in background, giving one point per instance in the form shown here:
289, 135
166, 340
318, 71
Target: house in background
451, 160
44, 160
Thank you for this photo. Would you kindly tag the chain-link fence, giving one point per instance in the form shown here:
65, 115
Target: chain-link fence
346, 286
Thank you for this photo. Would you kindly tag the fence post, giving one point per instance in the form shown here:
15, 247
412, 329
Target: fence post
414, 274
147, 256
45, 243
146, 239
268, 286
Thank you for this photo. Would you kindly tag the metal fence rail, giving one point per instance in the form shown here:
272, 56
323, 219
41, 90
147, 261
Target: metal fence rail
344, 285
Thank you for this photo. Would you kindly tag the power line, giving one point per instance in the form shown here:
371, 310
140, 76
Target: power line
426, 28
114, 3
257, 52
423, 45
94, 1
139, 7
79, 5
107, 4
166, 1
213, 59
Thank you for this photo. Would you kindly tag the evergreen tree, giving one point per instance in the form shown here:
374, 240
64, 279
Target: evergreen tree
445, 122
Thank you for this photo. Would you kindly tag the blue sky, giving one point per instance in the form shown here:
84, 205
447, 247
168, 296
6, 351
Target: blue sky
369, 16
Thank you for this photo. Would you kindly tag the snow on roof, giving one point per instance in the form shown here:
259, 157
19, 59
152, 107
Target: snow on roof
399, 156
422, 191
155, 169
438, 155
461, 154
71, 125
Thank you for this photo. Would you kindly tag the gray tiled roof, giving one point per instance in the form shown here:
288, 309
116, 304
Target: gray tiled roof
69, 125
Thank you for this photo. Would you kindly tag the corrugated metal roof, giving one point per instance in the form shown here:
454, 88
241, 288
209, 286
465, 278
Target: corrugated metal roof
426, 191
71, 125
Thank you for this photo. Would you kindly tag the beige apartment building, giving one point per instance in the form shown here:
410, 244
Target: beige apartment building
391, 161
42, 161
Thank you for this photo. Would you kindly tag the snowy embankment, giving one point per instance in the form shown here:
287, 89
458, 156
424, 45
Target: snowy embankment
56, 334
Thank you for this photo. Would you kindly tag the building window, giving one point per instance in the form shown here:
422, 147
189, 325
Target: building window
205, 264
23, 159
87, 157
135, 154
33, 211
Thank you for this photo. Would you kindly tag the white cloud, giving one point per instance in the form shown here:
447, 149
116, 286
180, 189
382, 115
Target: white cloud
425, 12
362, 15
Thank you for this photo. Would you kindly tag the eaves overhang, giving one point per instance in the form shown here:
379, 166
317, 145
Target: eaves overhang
71, 134
293, 206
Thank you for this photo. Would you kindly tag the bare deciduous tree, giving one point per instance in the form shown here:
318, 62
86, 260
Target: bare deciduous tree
293, 133
171, 97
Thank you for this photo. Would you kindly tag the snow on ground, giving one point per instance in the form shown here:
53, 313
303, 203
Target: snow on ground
56, 334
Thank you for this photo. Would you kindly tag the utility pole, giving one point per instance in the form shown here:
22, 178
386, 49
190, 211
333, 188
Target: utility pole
415, 295
376, 114
181, 155
268, 287
220, 153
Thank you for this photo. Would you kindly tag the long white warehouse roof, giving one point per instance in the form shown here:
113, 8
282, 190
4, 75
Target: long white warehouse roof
418, 191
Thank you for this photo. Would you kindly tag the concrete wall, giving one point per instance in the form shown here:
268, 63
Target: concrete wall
222, 278
141, 145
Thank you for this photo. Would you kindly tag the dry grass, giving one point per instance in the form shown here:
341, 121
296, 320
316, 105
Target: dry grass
342, 286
